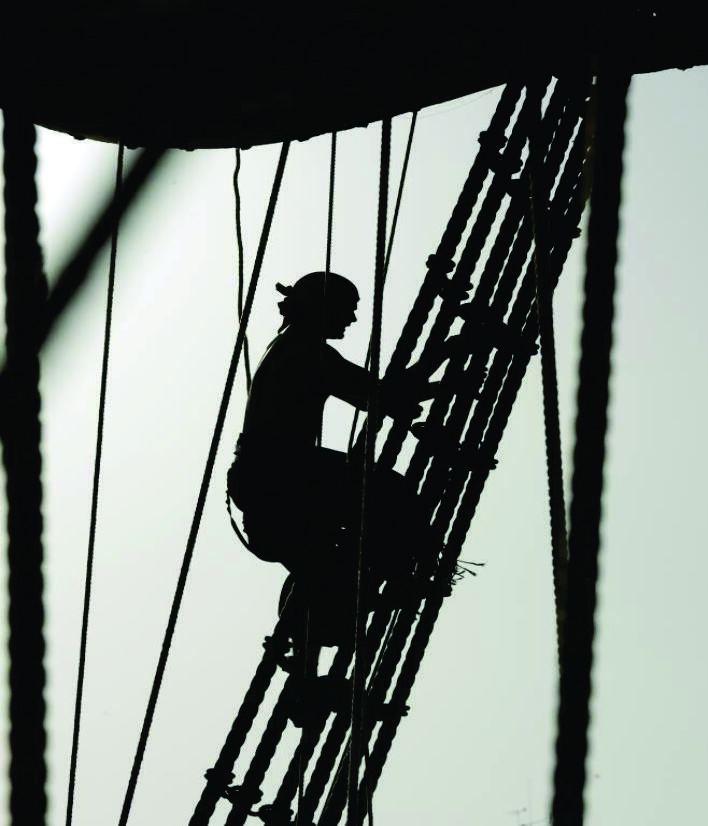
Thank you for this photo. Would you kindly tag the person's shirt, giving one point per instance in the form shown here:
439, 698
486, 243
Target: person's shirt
296, 375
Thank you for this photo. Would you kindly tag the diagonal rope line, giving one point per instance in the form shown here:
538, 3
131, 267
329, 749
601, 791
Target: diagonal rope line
201, 500
94, 497
399, 195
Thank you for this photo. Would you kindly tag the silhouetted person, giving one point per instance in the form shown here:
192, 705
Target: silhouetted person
301, 502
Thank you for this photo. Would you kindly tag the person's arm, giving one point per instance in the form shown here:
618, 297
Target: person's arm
344, 379
398, 397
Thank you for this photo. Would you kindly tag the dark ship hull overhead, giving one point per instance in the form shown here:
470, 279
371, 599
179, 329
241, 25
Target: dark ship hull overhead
195, 74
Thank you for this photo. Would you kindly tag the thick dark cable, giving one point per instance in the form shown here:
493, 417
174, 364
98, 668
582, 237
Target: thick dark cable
589, 452
539, 191
239, 246
26, 292
77, 270
368, 501
201, 500
94, 500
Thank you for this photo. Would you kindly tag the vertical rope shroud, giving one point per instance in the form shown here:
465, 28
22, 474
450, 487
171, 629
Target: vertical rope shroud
201, 499
368, 503
26, 292
94, 498
589, 451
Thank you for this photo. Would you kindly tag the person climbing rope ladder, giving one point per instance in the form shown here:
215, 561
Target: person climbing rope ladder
300, 501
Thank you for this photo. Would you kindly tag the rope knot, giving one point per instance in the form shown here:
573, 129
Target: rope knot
218, 777
242, 794
491, 141
440, 264
273, 814
455, 291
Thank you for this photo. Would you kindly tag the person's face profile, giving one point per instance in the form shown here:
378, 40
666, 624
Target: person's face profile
340, 315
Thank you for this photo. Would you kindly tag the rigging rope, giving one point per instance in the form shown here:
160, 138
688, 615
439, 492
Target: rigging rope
399, 195
392, 234
539, 192
589, 451
330, 203
328, 259
368, 503
201, 500
239, 307
26, 293
94, 497
239, 245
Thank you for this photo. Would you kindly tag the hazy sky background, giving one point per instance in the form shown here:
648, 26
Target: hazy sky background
478, 742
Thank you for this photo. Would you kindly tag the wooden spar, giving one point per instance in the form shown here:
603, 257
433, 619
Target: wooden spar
189, 74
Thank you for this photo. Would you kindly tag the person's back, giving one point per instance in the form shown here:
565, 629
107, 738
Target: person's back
292, 493
290, 387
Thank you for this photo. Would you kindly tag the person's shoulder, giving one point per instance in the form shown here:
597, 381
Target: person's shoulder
332, 355
293, 350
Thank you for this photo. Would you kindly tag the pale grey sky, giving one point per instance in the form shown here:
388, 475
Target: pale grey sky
477, 743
